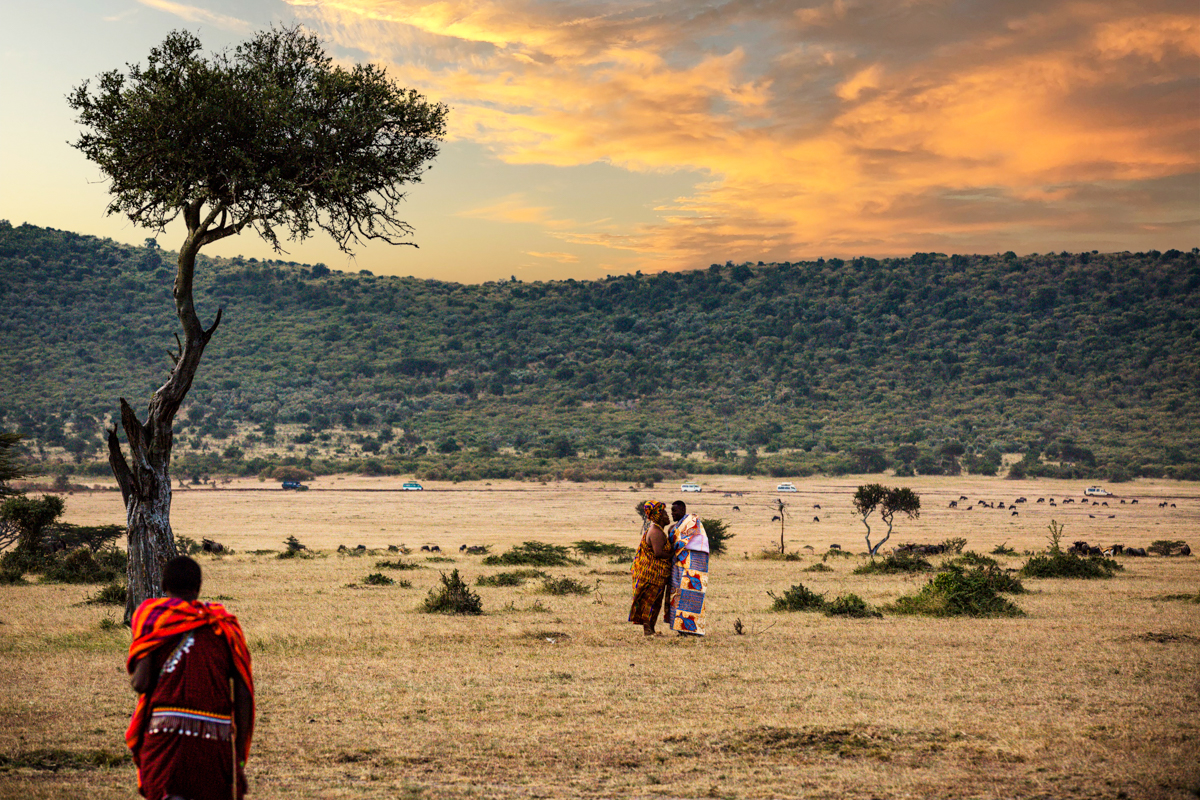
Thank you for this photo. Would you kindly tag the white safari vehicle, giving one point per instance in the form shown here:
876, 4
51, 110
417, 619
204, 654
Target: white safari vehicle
1096, 491
786, 487
690, 487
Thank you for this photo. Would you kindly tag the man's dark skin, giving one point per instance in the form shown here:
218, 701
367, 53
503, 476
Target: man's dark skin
678, 510
143, 680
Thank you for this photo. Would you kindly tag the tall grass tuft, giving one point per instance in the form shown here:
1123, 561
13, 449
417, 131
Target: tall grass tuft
534, 554
453, 597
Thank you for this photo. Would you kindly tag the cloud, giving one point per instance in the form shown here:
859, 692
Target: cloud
202, 15
834, 128
562, 258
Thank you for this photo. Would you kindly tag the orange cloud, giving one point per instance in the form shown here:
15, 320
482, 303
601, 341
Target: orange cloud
837, 128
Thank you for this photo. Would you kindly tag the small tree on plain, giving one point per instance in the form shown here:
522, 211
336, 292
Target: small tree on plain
269, 137
888, 502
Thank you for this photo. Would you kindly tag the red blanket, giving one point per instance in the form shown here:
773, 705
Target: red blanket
161, 618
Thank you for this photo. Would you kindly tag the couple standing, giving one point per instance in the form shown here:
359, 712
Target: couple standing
672, 557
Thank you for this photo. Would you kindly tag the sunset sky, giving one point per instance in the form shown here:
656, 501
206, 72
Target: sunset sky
589, 138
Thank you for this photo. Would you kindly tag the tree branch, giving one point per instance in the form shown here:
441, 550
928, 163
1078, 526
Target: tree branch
120, 468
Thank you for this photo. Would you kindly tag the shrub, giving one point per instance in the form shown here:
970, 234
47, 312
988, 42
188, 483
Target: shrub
850, 605
718, 535
534, 554
294, 549
186, 545
973, 559
1166, 547
820, 566
564, 585
78, 566
1003, 550
514, 578
959, 592
797, 598
955, 545
775, 555
11, 577
397, 564
453, 597
836, 552
378, 579
111, 595
590, 547
1062, 564
894, 563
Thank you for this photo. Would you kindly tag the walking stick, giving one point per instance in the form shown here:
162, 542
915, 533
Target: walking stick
233, 736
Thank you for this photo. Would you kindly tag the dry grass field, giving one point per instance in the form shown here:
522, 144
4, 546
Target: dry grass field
1095, 693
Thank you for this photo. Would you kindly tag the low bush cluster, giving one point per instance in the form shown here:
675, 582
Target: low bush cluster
514, 578
399, 563
564, 586
590, 547
850, 605
111, 595
1063, 564
797, 598
959, 591
894, 563
452, 597
378, 579
534, 554
718, 534
81, 566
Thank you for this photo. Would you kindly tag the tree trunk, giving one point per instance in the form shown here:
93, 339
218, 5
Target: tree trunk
145, 478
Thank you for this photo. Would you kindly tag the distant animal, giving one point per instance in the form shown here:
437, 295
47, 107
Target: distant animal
361, 548
1122, 502
1112, 516
970, 508
475, 549
424, 549
1105, 503
1041, 499
775, 519
209, 546
735, 508
953, 504
1133, 502
962, 497
391, 549
1091, 516
435, 549
808, 547
1084, 549
462, 548
1185, 550
1020, 500
816, 505
1172, 505
835, 547
342, 548
1014, 512
1117, 549
1163, 504
815, 519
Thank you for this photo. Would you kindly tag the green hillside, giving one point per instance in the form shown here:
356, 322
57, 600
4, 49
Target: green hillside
1087, 364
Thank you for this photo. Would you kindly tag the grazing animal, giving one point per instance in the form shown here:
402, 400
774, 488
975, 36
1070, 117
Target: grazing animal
1021, 500
1135, 551
808, 547
476, 550
1014, 512
393, 549
342, 548
962, 497
1091, 516
1172, 505
1163, 504
435, 549
735, 508
835, 547
953, 504
462, 547
1104, 504
1133, 502
209, 546
775, 519
1112, 516
816, 505
1084, 549
361, 548
816, 519
1185, 551
1041, 499
1117, 549
425, 548
970, 508
1122, 502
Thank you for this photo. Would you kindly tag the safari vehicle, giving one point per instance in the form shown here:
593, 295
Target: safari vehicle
297, 485
786, 487
412, 486
690, 487
1096, 491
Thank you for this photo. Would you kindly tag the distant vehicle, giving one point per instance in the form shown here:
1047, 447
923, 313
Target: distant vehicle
786, 487
297, 485
412, 486
690, 487
1096, 491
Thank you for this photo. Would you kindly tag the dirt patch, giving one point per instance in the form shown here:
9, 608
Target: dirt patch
853, 742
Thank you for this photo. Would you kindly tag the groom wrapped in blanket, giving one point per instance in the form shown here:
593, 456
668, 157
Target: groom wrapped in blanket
190, 726
689, 572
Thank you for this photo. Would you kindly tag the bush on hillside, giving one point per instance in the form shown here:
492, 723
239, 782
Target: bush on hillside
850, 605
718, 535
894, 563
452, 597
797, 598
958, 593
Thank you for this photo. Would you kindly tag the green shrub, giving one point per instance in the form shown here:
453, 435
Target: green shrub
1062, 564
113, 558
440, 559
564, 585
894, 563
775, 555
850, 605
797, 598
960, 593
534, 554
378, 579
1003, 550
514, 578
973, 559
453, 597
820, 566
955, 545
111, 595
1166, 547
186, 545
11, 577
398, 564
718, 534
294, 549
590, 547
78, 566
836, 552
622, 559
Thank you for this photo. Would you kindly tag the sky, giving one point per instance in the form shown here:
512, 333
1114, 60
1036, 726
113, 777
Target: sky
589, 138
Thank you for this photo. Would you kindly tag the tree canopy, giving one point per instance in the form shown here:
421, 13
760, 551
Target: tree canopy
272, 135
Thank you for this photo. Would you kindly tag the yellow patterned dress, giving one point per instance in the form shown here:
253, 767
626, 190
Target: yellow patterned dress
689, 576
649, 575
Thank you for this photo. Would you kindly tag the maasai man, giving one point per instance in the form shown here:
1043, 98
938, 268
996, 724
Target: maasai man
651, 566
189, 728
689, 571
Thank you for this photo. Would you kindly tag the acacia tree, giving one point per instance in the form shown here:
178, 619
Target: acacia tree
888, 502
271, 137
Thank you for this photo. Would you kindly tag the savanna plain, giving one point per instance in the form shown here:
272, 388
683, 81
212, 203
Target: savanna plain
1095, 692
